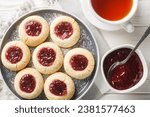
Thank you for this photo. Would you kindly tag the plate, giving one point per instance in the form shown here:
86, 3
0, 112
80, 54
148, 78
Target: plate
86, 41
93, 20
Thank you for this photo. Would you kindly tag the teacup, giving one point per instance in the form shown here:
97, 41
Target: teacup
123, 21
117, 83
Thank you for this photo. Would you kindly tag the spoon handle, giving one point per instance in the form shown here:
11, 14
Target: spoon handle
147, 32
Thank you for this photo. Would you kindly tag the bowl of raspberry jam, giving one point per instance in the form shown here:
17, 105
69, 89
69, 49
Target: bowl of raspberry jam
127, 77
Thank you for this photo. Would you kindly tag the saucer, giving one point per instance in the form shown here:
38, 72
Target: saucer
93, 20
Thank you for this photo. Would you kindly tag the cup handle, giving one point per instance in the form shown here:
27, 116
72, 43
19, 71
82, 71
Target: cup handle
128, 26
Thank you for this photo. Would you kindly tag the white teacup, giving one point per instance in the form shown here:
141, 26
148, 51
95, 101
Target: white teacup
124, 22
136, 86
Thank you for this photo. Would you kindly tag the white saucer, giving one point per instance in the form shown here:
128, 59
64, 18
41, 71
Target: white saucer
93, 20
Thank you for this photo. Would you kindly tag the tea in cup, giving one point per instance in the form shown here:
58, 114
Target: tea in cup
117, 12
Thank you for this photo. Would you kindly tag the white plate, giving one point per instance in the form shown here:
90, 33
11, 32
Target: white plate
93, 20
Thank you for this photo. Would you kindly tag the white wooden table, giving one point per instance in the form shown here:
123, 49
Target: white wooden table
115, 38
112, 39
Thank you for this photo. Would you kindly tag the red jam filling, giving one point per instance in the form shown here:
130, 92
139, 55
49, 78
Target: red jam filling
27, 83
64, 30
58, 88
14, 54
33, 28
79, 62
46, 56
124, 76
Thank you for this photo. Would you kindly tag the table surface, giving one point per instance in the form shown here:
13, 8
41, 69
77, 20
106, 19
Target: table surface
112, 39
115, 38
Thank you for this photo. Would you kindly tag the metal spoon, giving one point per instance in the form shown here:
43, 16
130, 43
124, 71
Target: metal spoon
118, 63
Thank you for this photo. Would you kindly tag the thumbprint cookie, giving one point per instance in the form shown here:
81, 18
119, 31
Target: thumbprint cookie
47, 58
29, 83
65, 31
15, 55
59, 86
79, 63
33, 30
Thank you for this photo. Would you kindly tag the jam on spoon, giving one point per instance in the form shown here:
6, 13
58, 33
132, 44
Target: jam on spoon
124, 61
124, 76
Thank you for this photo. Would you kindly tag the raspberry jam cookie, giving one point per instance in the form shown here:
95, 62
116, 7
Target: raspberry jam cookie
65, 31
47, 58
59, 86
29, 83
15, 55
33, 30
79, 63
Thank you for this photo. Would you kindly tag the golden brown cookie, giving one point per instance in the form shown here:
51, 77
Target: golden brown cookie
59, 86
33, 30
47, 58
28, 83
79, 63
15, 55
65, 31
